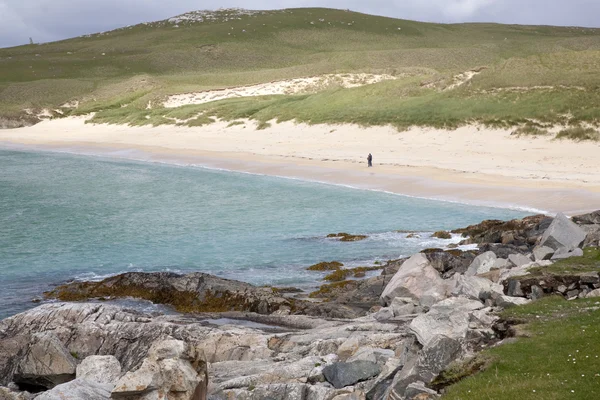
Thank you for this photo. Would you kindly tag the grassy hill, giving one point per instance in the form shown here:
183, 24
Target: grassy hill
540, 73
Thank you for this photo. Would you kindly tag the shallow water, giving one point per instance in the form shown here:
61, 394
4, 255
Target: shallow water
78, 217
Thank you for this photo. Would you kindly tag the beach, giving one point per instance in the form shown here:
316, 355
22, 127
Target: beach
471, 164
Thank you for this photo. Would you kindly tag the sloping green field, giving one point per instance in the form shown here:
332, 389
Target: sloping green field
548, 74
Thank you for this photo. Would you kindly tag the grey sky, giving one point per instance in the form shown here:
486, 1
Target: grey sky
49, 20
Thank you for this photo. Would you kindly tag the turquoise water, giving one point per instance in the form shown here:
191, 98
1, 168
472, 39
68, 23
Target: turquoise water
68, 217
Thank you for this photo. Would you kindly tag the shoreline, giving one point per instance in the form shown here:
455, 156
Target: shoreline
280, 153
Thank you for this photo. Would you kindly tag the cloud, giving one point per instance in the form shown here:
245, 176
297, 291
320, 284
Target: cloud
48, 20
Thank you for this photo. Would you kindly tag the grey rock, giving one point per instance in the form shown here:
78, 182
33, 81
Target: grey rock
384, 314
437, 355
450, 263
593, 293
472, 286
562, 288
277, 391
356, 395
589, 278
375, 355
8, 394
348, 373
403, 306
449, 318
171, 368
407, 375
536, 292
588, 219
561, 254
514, 288
563, 233
78, 389
508, 301
47, 362
99, 369
482, 264
501, 263
418, 389
592, 239
418, 280
572, 294
384, 379
519, 260
542, 253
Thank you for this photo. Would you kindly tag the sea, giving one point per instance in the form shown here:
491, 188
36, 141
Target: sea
66, 217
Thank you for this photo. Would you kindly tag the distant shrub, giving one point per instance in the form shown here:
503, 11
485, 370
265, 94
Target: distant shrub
579, 133
530, 130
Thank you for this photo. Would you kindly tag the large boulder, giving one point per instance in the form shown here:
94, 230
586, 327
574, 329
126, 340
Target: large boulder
482, 264
418, 280
563, 234
449, 318
47, 362
100, 369
344, 374
78, 389
172, 369
473, 286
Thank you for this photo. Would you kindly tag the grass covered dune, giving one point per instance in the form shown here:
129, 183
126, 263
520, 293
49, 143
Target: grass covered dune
446, 75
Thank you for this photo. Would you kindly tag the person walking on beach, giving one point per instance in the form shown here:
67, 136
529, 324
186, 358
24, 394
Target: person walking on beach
370, 160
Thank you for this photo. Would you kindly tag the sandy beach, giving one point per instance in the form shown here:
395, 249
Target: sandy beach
471, 164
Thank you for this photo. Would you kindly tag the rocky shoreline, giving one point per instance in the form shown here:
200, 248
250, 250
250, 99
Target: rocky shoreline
386, 337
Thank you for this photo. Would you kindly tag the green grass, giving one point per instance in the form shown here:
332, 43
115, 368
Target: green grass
145, 63
589, 262
561, 359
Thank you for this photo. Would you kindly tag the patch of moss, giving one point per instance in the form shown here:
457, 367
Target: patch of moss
433, 250
325, 266
182, 301
342, 274
442, 235
346, 237
500, 226
461, 369
326, 290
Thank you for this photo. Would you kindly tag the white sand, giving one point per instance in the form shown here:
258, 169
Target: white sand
481, 166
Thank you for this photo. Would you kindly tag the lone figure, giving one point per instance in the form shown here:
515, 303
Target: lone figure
370, 160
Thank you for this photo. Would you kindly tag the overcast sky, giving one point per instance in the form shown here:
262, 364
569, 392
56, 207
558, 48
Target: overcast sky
49, 20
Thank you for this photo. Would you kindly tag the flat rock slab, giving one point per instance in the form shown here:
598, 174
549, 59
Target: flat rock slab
78, 389
348, 373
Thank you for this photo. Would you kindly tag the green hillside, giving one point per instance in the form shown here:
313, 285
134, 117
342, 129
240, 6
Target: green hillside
548, 74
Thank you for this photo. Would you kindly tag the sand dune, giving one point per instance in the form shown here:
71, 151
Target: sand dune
284, 87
